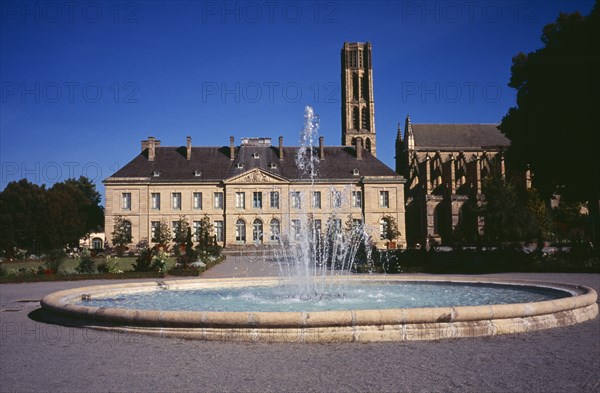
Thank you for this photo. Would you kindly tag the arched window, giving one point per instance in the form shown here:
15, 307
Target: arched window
257, 230
355, 86
127, 226
240, 231
355, 118
97, 243
368, 144
275, 229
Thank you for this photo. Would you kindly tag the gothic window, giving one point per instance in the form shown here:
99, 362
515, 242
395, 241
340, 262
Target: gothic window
355, 86
365, 119
355, 118
368, 144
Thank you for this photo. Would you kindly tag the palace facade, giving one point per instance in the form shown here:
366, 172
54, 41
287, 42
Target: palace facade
253, 191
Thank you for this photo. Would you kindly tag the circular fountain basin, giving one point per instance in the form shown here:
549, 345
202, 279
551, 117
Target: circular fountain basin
556, 305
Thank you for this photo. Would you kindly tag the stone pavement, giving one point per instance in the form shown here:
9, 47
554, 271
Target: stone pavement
35, 356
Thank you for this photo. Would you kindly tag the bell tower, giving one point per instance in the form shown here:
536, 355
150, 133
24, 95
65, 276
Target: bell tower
358, 106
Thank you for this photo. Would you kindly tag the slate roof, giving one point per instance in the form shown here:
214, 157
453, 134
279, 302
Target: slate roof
444, 136
214, 162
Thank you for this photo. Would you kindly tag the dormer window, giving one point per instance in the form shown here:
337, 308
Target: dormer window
240, 165
355, 172
273, 165
156, 174
198, 173
255, 155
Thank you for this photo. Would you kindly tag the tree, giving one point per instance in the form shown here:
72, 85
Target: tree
203, 233
506, 218
162, 235
554, 126
390, 229
180, 233
121, 235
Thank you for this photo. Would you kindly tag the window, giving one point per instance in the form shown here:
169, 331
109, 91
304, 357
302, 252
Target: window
275, 199
126, 201
176, 226
219, 234
240, 200
356, 223
154, 229
384, 199
336, 199
336, 225
97, 244
257, 200
295, 200
356, 198
196, 230
197, 202
383, 228
240, 231
317, 226
176, 201
218, 200
317, 199
127, 225
155, 201
296, 229
257, 230
275, 229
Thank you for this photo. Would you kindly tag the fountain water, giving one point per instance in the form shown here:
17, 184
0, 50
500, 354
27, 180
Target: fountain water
313, 257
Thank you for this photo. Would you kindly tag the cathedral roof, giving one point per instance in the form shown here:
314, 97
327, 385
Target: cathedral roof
211, 164
458, 136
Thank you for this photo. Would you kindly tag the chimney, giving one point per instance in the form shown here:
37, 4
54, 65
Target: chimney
151, 143
281, 148
188, 154
321, 148
231, 148
359, 148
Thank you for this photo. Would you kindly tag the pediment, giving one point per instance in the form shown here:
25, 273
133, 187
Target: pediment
256, 176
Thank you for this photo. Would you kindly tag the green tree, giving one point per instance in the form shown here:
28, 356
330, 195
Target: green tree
22, 215
121, 235
390, 228
538, 209
554, 126
180, 233
203, 234
506, 218
162, 235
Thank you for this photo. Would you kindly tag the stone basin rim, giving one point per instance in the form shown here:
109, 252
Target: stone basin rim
582, 304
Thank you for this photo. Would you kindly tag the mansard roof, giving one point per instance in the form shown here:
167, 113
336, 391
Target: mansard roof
458, 136
210, 164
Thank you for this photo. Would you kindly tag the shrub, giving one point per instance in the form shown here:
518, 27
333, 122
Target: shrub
159, 261
143, 263
109, 265
86, 263
54, 260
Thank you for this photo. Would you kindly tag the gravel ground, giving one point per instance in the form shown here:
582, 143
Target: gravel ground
35, 356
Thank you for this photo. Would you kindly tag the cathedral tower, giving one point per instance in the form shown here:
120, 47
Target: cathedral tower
358, 107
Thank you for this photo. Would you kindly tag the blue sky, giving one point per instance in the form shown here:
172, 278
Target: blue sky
84, 81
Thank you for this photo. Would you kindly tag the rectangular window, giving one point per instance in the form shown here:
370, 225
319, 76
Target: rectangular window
197, 202
274, 199
218, 200
240, 200
296, 229
176, 201
154, 228
384, 199
317, 226
295, 200
220, 235
316, 199
336, 199
196, 230
155, 201
175, 227
126, 201
257, 200
357, 199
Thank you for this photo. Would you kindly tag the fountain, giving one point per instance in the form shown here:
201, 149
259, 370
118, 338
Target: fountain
317, 298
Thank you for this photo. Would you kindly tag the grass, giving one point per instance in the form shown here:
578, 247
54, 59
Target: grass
68, 273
